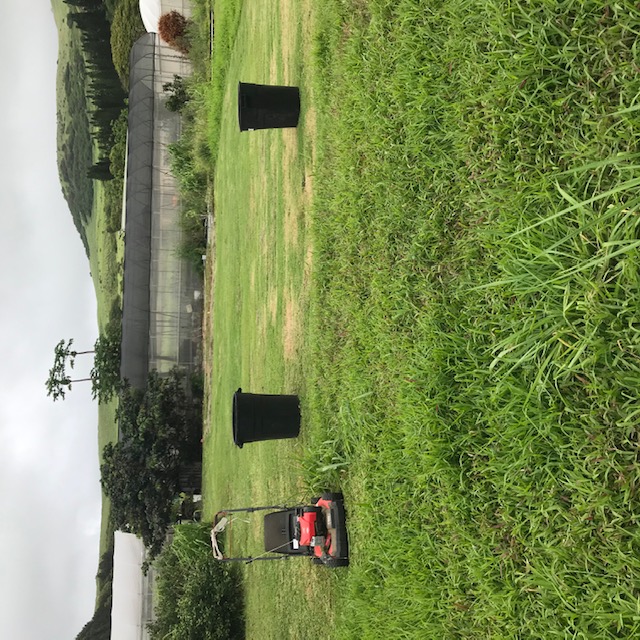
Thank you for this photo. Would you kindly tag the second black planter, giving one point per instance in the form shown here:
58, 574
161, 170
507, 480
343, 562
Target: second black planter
259, 416
263, 106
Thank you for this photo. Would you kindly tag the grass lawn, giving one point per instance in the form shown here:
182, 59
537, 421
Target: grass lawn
442, 260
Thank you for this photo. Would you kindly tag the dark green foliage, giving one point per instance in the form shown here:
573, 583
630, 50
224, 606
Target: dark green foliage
126, 28
192, 179
99, 627
197, 384
59, 380
178, 94
199, 598
104, 89
193, 189
115, 312
160, 432
110, 8
113, 194
100, 170
90, 97
105, 373
194, 236
110, 269
105, 567
118, 152
113, 191
74, 141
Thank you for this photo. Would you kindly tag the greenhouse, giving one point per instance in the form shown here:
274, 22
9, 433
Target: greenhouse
161, 317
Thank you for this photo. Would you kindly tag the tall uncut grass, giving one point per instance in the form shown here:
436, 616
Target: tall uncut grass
476, 353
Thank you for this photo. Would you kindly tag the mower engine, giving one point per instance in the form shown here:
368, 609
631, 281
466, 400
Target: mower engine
318, 531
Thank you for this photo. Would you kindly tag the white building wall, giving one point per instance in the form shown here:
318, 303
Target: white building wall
130, 589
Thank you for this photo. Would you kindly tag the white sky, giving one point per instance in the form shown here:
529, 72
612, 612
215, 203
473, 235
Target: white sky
49, 476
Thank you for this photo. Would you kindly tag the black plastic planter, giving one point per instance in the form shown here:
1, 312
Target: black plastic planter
259, 417
262, 106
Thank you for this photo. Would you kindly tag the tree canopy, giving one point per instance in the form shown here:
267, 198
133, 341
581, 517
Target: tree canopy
160, 432
105, 373
59, 380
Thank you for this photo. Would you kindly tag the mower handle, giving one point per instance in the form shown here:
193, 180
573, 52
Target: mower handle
250, 559
223, 512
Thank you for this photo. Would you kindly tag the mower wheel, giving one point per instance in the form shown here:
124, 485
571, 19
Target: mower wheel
335, 562
332, 496
316, 560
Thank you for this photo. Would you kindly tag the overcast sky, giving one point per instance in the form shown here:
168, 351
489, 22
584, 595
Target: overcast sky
49, 477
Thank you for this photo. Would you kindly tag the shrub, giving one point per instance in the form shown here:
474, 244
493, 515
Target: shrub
197, 596
178, 94
172, 28
119, 149
193, 189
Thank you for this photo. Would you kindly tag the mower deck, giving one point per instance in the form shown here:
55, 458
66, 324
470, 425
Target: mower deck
317, 531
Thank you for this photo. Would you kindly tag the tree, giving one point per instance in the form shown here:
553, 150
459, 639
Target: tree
59, 382
100, 170
104, 375
160, 432
106, 92
126, 28
178, 95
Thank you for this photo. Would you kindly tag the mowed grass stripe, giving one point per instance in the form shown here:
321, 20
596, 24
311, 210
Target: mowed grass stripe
259, 300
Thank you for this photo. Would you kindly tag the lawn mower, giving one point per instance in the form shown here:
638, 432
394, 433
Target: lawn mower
317, 531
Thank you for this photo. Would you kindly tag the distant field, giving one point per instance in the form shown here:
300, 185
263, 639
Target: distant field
443, 261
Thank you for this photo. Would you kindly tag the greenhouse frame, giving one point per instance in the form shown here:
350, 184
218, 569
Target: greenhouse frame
161, 308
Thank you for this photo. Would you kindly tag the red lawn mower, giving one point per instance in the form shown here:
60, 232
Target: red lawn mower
317, 531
